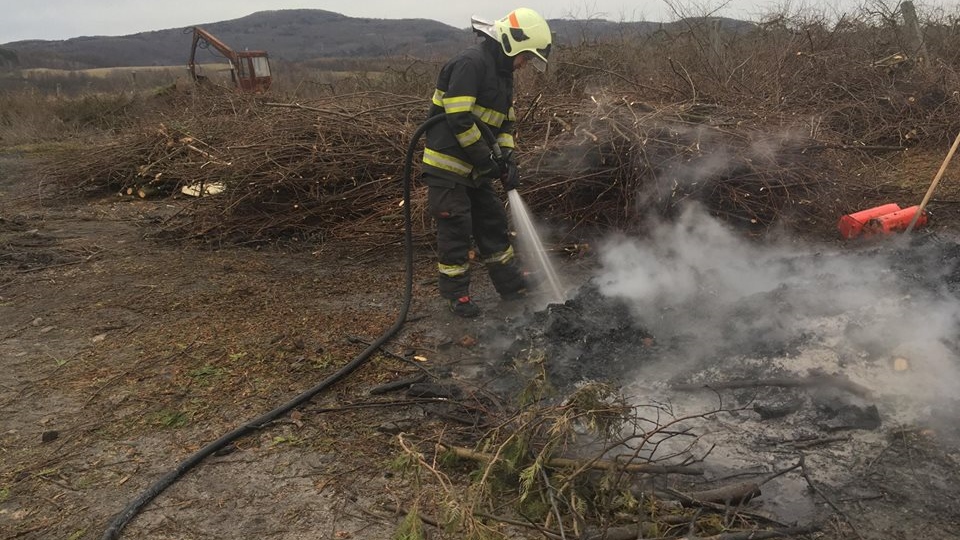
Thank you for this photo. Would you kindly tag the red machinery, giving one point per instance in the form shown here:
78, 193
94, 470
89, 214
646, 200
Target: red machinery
249, 70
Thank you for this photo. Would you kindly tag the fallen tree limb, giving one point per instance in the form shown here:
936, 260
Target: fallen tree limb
728, 495
828, 500
732, 495
600, 464
671, 494
835, 381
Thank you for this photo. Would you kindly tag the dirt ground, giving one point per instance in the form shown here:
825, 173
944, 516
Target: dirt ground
123, 355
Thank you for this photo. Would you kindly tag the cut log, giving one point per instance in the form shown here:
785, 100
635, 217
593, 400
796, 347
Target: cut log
145, 192
203, 189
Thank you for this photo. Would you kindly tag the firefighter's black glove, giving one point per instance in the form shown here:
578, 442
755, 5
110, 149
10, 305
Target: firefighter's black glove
511, 177
509, 173
489, 168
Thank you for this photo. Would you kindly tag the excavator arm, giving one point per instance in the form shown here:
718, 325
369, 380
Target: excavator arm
249, 70
200, 37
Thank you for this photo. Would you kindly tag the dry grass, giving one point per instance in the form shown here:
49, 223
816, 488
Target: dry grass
102, 73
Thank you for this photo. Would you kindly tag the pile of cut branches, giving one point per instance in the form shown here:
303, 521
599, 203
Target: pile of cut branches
614, 162
327, 168
762, 123
331, 169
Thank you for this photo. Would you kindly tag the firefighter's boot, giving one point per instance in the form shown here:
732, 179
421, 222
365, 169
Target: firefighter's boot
464, 307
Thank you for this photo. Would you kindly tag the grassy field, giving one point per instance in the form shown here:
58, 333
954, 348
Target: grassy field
102, 73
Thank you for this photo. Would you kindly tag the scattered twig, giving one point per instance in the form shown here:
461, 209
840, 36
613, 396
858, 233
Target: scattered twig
51, 266
398, 384
818, 441
404, 359
818, 491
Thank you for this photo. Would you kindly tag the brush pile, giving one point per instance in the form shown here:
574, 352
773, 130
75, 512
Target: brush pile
615, 162
763, 125
327, 168
332, 169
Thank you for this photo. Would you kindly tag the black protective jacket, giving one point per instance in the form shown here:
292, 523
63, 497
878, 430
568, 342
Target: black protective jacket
474, 86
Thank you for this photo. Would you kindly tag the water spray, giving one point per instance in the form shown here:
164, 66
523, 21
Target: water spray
528, 235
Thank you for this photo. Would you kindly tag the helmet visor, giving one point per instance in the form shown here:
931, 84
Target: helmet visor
538, 58
538, 63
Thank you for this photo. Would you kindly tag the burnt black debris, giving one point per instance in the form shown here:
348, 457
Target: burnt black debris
597, 337
778, 406
839, 412
931, 261
589, 337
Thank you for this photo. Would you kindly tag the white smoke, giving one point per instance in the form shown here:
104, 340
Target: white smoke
696, 283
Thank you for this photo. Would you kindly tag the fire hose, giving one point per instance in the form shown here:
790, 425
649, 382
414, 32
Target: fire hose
135, 506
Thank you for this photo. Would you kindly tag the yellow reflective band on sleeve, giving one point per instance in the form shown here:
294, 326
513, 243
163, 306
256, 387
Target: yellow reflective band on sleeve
505, 140
458, 104
469, 136
489, 116
503, 257
512, 115
438, 98
446, 162
453, 270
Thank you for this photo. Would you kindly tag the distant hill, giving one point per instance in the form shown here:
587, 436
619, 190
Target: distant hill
293, 35
8, 59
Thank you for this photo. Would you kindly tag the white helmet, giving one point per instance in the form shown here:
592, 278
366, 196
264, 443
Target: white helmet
523, 30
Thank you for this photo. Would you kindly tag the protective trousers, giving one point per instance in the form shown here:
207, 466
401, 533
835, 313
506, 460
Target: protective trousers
465, 215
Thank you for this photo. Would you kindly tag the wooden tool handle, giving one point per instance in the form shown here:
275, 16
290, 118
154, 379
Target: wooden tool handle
933, 185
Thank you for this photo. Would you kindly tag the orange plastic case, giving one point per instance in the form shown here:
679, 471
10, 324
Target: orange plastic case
895, 221
851, 225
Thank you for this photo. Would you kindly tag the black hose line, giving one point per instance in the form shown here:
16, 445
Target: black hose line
132, 509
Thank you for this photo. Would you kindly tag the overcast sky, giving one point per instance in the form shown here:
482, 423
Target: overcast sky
64, 19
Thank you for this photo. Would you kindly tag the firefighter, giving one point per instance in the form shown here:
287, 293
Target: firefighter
459, 166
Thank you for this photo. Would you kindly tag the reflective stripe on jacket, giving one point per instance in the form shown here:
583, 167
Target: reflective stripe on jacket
474, 86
